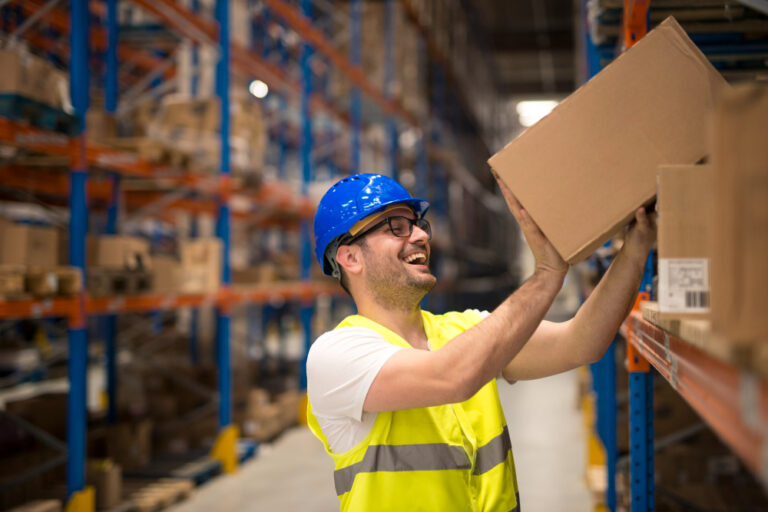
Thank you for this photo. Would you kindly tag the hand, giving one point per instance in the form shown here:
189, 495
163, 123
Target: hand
547, 258
641, 235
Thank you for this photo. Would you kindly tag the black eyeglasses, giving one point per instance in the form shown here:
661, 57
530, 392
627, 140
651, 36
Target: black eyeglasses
401, 227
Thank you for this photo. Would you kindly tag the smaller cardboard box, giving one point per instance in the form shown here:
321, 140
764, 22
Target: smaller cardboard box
583, 170
684, 205
122, 252
107, 479
167, 274
130, 444
739, 272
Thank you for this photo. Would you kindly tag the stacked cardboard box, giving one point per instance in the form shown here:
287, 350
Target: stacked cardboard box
192, 127
684, 206
739, 242
106, 477
28, 245
200, 260
30, 76
582, 170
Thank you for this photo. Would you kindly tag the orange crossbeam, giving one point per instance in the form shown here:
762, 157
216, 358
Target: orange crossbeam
712, 387
316, 38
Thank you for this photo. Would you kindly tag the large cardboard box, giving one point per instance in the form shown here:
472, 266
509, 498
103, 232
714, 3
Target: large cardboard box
124, 252
583, 170
684, 205
739, 273
13, 243
42, 246
28, 245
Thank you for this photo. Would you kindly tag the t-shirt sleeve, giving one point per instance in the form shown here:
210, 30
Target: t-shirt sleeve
341, 366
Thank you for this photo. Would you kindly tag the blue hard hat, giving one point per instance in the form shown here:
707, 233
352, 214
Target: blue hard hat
352, 199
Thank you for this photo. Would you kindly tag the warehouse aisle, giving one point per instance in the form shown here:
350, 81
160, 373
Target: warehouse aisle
547, 434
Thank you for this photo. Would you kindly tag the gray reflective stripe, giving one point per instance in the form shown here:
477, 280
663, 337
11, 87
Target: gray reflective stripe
402, 457
493, 453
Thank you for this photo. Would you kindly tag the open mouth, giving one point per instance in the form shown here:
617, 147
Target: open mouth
417, 258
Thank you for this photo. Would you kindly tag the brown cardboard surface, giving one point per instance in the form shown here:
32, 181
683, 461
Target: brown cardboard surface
117, 251
582, 170
739, 272
684, 205
42, 246
166, 274
107, 479
13, 243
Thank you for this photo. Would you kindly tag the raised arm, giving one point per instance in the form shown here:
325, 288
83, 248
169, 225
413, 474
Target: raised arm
418, 378
558, 347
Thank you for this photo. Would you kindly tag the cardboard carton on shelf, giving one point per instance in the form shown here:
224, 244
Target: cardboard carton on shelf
739, 242
684, 204
106, 477
30, 76
28, 245
130, 444
119, 252
167, 274
583, 170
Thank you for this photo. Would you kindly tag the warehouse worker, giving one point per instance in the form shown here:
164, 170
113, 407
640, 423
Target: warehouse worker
405, 401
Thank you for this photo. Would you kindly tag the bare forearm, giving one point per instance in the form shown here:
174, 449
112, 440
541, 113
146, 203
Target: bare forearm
597, 321
479, 354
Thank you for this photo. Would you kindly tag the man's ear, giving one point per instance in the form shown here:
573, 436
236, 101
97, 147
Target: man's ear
349, 258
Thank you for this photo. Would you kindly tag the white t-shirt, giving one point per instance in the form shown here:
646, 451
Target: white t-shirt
341, 366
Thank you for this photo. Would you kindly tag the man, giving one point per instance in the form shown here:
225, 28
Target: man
405, 401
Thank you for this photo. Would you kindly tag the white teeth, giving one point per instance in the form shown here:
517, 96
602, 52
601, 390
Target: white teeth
414, 257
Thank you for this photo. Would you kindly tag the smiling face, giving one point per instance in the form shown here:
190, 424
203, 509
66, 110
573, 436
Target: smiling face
393, 270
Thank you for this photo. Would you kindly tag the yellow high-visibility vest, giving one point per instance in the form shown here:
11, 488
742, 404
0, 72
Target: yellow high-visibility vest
453, 457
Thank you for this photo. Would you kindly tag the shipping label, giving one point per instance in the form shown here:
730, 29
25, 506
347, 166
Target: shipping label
683, 285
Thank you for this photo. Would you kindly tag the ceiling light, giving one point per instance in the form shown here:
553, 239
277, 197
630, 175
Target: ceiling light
530, 112
258, 89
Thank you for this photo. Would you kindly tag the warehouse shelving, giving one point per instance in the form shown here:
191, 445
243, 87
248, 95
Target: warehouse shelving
731, 399
272, 203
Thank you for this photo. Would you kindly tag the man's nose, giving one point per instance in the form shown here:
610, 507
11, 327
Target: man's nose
419, 235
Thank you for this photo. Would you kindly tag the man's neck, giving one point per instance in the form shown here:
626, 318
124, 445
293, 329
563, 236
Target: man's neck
406, 323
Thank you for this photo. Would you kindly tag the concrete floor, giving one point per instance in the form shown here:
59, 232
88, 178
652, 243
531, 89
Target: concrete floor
295, 474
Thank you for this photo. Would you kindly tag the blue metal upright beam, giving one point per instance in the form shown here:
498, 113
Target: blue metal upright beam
307, 310
222, 224
78, 225
195, 75
389, 84
355, 100
110, 321
641, 437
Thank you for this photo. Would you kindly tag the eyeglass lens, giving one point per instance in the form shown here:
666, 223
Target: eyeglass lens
403, 226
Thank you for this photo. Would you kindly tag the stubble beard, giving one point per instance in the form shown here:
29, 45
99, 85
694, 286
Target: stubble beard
393, 287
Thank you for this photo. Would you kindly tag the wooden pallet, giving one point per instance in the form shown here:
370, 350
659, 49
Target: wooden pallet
37, 114
152, 150
152, 495
109, 281
53, 281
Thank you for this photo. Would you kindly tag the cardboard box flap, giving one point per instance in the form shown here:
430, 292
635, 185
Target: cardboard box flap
586, 166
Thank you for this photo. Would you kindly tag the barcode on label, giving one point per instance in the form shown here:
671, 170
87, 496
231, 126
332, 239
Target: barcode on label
697, 299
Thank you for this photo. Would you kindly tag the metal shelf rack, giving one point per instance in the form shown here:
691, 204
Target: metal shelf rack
299, 93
